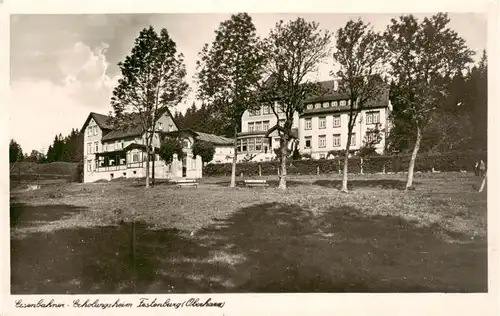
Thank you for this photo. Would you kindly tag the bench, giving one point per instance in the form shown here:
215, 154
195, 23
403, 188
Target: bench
256, 183
186, 183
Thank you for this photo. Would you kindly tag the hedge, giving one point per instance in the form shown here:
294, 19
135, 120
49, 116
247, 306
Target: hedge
451, 161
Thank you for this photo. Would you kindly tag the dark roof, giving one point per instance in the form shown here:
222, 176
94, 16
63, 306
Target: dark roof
100, 119
104, 122
326, 92
210, 138
381, 101
127, 133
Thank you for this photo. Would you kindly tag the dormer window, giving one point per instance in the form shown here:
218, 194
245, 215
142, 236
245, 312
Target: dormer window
343, 103
310, 106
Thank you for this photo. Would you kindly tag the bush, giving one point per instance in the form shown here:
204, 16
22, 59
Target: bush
169, 147
205, 150
451, 161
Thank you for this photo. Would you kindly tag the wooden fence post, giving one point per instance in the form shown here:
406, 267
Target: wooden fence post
317, 170
361, 165
260, 171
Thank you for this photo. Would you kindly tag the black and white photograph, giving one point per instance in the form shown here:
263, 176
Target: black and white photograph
247, 152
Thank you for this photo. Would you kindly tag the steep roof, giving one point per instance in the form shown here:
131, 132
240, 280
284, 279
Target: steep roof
381, 101
114, 133
101, 120
327, 92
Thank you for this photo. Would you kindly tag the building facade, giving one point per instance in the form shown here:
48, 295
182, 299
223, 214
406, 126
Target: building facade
321, 129
111, 153
258, 139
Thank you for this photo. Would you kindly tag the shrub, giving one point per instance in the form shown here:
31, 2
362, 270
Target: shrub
451, 161
205, 150
169, 147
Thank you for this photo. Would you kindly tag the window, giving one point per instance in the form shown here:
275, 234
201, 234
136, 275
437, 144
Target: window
254, 112
96, 144
322, 141
258, 144
186, 143
308, 124
258, 126
265, 125
326, 104
135, 157
371, 137
244, 143
322, 122
343, 102
251, 127
251, 144
89, 165
279, 108
308, 142
310, 106
95, 130
317, 105
353, 139
121, 144
193, 164
277, 141
105, 147
281, 122
373, 117
336, 121
89, 148
160, 126
89, 131
336, 140
335, 103
266, 109
170, 127
349, 102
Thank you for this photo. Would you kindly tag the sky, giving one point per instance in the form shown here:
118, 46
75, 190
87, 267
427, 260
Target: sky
62, 67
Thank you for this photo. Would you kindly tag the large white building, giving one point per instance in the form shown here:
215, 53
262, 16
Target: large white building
320, 129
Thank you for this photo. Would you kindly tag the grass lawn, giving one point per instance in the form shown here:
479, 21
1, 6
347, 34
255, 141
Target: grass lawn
69, 238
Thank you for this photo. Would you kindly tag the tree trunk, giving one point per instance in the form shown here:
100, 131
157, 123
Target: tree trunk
282, 182
153, 166
411, 167
235, 158
344, 172
147, 162
147, 167
346, 160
